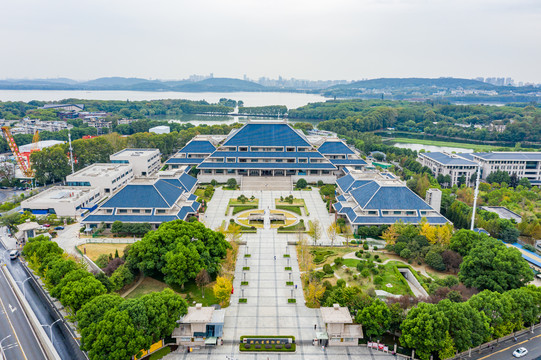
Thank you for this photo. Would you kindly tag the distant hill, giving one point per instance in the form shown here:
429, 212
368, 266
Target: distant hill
396, 83
135, 84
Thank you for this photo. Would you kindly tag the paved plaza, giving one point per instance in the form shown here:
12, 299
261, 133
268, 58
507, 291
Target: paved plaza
267, 311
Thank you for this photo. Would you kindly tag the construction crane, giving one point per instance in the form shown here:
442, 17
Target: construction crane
25, 168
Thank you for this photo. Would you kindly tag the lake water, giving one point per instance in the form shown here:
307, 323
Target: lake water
291, 100
432, 148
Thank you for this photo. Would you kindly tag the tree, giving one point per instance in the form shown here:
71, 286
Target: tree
452, 260
50, 165
58, 268
346, 232
424, 330
509, 235
314, 294
74, 294
301, 184
525, 182
434, 259
332, 232
182, 265
375, 318
499, 177
11, 221
121, 277
390, 235
502, 312
314, 231
234, 233
492, 265
94, 310
463, 241
222, 290
232, 183
202, 279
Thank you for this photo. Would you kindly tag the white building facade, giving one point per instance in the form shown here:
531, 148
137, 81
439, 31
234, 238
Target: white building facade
144, 162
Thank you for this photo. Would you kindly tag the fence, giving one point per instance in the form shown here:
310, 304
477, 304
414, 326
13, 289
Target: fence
106, 241
490, 344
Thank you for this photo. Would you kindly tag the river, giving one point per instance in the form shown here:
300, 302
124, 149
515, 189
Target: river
291, 100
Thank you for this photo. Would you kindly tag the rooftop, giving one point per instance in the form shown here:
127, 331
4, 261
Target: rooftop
198, 147
515, 155
198, 314
448, 159
335, 147
336, 315
61, 194
503, 212
266, 134
135, 152
101, 170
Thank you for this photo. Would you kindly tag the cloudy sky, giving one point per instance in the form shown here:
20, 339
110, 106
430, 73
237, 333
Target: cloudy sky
307, 39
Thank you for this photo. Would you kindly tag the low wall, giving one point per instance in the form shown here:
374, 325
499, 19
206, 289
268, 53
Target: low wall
413, 280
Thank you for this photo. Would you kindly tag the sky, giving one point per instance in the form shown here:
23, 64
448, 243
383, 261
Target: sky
304, 39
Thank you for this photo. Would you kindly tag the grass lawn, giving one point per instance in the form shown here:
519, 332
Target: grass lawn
476, 147
387, 274
298, 202
191, 292
234, 202
160, 353
95, 250
200, 193
337, 252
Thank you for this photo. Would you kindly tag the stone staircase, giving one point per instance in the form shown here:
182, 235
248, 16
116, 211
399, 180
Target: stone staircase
257, 183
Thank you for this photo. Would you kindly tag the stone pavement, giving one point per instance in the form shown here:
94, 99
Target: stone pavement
267, 311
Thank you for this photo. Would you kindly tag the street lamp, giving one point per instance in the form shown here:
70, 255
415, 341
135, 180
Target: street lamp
22, 285
51, 328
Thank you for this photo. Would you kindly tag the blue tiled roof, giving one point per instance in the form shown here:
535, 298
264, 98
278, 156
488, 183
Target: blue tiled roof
337, 206
467, 156
129, 218
370, 220
184, 161
348, 162
341, 198
345, 170
447, 159
253, 134
198, 147
188, 181
284, 165
169, 191
192, 197
524, 156
137, 196
358, 183
335, 148
364, 193
345, 182
267, 154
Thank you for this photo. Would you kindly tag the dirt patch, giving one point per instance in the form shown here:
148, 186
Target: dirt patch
95, 250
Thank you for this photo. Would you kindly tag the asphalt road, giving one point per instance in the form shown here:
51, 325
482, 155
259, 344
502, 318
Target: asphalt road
22, 344
532, 342
62, 340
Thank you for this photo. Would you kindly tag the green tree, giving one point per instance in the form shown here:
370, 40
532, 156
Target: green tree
314, 231
76, 293
434, 259
375, 318
94, 310
202, 279
232, 183
499, 177
182, 264
301, 184
492, 265
121, 277
50, 165
424, 330
463, 241
501, 310
58, 268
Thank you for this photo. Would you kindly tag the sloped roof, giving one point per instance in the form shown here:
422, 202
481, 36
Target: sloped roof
345, 182
198, 147
259, 165
255, 134
335, 148
374, 196
137, 196
193, 161
348, 162
267, 154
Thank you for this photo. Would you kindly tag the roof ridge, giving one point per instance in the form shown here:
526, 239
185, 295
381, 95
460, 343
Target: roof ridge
368, 202
158, 191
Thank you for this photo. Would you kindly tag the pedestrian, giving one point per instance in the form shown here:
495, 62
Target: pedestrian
295, 286
274, 257
315, 326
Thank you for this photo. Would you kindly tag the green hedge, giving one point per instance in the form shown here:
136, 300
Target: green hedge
402, 279
240, 208
272, 349
293, 228
293, 208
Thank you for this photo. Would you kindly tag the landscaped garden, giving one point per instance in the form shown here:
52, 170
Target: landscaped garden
93, 251
241, 203
292, 204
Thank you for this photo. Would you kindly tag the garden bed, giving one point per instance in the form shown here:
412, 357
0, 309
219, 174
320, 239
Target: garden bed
266, 344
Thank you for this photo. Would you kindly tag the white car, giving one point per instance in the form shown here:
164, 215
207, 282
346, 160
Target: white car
520, 352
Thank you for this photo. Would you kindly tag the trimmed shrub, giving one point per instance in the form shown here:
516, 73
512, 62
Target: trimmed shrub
365, 273
287, 346
338, 261
247, 346
365, 246
328, 269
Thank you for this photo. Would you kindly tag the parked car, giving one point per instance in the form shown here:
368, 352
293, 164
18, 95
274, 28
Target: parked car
520, 352
13, 254
46, 225
59, 228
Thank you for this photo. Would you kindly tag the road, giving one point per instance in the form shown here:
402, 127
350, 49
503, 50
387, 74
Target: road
62, 339
22, 343
504, 350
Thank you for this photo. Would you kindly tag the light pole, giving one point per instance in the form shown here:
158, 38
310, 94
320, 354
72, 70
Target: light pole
22, 285
51, 328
